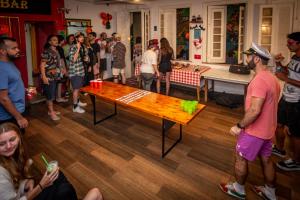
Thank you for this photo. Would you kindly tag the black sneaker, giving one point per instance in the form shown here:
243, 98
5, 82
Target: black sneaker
288, 165
278, 152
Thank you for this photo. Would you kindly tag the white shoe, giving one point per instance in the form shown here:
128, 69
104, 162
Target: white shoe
81, 104
62, 100
78, 109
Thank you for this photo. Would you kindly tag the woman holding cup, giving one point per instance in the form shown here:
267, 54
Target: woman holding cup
15, 180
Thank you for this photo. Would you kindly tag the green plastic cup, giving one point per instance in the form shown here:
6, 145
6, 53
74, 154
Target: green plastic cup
52, 165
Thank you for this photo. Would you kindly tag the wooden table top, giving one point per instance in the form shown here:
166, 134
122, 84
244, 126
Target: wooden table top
226, 76
162, 106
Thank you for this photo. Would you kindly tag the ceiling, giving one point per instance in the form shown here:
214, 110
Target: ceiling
117, 1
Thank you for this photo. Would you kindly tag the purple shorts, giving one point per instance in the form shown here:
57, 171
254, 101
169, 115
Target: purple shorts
249, 147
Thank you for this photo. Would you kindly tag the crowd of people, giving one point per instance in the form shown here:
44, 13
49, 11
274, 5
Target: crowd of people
261, 132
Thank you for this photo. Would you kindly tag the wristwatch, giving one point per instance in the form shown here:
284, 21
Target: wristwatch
239, 126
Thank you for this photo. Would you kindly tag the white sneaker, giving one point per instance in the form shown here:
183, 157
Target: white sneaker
62, 100
81, 104
78, 109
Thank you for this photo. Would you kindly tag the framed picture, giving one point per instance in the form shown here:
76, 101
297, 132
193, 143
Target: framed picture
76, 25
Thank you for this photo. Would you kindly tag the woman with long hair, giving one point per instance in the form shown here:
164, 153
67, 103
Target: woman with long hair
166, 54
51, 71
15, 180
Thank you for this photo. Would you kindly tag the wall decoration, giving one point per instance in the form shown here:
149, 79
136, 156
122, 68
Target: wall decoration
197, 39
78, 25
106, 17
182, 28
232, 33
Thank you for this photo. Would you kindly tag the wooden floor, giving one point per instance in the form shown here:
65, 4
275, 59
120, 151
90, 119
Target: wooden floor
121, 156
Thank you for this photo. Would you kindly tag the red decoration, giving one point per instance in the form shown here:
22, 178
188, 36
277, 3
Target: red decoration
4, 29
197, 56
187, 35
106, 17
88, 30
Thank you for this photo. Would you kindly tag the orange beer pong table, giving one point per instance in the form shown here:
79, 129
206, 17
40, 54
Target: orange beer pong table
165, 107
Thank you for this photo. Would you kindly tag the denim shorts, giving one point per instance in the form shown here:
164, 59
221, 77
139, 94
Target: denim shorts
77, 82
50, 90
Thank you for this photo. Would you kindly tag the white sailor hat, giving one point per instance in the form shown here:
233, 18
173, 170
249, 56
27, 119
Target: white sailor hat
259, 51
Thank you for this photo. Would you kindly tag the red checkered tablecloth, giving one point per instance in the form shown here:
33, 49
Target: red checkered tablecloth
184, 75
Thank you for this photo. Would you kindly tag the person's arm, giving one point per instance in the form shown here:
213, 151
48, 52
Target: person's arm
74, 52
43, 72
250, 116
10, 108
46, 181
284, 77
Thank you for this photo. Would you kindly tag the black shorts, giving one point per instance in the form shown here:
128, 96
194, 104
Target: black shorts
103, 64
77, 82
289, 114
50, 90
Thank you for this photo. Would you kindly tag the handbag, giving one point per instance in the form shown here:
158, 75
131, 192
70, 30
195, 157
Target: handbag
239, 69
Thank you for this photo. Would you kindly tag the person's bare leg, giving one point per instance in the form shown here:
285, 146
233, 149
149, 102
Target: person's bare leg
75, 96
280, 137
116, 79
123, 78
93, 194
168, 75
158, 80
241, 169
268, 171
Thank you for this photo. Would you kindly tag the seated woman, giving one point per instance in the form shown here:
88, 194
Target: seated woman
15, 182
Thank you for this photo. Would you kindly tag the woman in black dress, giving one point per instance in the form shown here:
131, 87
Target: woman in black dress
166, 54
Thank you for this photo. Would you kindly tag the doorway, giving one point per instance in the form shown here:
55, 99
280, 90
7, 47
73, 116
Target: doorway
135, 38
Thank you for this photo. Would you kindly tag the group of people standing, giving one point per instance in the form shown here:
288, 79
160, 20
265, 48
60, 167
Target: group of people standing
16, 180
156, 63
80, 60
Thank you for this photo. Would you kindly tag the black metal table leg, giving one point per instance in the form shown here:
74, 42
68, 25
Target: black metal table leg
166, 125
93, 99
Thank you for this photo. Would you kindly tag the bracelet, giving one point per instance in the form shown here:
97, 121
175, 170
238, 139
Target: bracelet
239, 126
41, 186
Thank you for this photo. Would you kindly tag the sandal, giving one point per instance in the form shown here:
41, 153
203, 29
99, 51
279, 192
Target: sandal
229, 189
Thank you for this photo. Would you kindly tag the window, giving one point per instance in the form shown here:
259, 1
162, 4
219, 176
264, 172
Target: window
216, 34
266, 27
241, 34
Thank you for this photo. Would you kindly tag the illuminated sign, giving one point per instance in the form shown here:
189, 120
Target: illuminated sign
26, 6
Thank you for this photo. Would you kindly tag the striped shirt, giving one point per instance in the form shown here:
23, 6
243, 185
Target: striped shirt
76, 68
291, 93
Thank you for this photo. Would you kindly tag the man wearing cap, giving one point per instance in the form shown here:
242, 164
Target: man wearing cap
257, 128
289, 106
119, 65
76, 71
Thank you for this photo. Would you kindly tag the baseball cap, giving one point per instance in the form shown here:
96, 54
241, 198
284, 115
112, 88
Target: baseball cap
259, 51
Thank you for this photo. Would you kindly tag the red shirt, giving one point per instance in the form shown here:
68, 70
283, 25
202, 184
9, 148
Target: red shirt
266, 86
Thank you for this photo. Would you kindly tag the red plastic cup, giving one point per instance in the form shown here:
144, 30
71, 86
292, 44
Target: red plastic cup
99, 84
92, 83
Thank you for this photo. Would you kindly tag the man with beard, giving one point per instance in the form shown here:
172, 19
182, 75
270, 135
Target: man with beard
12, 91
289, 106
257, 128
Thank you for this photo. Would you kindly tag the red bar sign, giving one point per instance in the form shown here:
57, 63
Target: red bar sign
197, 56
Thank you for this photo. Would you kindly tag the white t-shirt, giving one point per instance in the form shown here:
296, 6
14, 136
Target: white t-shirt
149, 59
102, 50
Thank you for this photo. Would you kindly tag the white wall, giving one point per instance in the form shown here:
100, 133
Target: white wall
91, 11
